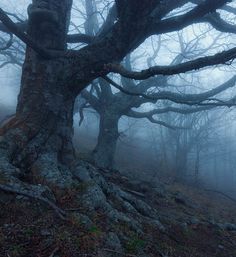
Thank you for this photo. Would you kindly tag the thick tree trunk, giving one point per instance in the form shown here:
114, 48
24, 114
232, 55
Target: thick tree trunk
39, 138
104, 151
36, 145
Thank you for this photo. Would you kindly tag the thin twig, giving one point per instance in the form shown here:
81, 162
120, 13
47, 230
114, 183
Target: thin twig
134, 192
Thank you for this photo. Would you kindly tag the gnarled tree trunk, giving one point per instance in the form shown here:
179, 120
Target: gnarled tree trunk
104, 151
38, 138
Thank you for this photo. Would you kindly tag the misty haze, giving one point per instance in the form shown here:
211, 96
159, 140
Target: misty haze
117, 128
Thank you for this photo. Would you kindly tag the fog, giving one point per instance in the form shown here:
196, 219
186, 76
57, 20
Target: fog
151, 150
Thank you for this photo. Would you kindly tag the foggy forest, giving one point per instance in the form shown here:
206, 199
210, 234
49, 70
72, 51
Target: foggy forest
117, 128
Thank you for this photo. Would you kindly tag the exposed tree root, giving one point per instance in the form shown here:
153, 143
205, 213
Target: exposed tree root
119, 205
221, 193
94, 193
120, 253
10, 183
54, 252
16, 189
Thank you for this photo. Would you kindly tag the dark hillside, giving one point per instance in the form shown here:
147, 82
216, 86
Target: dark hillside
190, 222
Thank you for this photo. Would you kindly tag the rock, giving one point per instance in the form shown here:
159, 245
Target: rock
94, 198
218, 225
8, 225
225, 226
184, 226
82, 174
21, 197
194, 221
213, 222
113, 242
45, 232
230, 226
112, 247
182, 199
160, 191
83, 220
221, 247
158, 224
6, 198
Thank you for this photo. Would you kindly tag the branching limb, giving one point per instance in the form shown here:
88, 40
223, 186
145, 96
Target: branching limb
150, 117
136, 114
219, 58
13, 28
91, 99
8, 44
196, 15
190, 99
111, 17
219, 24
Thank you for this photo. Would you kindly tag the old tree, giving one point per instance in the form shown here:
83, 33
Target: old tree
36, 151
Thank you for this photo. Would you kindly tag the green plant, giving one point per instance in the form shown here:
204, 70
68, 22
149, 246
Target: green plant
28, 231
94, 230
135, 244
16, 250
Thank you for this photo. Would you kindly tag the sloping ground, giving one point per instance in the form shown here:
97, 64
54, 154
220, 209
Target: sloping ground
193, 223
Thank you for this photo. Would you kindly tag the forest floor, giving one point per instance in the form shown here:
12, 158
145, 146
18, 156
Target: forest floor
195, 223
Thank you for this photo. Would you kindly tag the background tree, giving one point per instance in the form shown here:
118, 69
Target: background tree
111, 105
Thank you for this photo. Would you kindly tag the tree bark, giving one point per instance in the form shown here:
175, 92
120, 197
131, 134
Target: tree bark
39, 138
104, 152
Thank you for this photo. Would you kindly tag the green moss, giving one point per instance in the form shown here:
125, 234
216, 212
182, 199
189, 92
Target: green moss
95, 230
16, 250
63, 236
81, 187
135, 244
3, 179
77, 243
29, 231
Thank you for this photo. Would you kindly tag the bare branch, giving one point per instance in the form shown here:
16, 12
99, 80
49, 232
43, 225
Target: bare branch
177, 23
169, 109
13, 28
92, 100
219, 24
190, 99
149, 116
8, 44
219, 58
